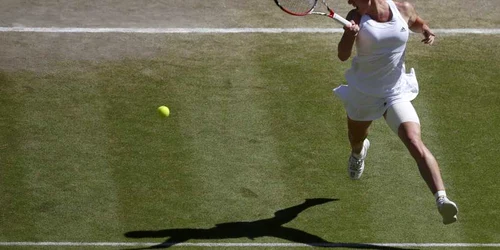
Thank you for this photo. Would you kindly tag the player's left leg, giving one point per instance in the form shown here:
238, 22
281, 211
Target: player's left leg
403, 119
409, 133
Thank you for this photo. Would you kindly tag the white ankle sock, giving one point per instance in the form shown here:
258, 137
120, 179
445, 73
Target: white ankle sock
358, 156
439, 194
361, 154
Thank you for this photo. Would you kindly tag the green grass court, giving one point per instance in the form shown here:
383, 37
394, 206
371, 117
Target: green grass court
254, 129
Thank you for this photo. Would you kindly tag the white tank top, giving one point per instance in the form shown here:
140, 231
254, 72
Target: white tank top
378, 67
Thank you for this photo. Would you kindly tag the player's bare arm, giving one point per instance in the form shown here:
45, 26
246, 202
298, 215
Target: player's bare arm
415, 23
349, 36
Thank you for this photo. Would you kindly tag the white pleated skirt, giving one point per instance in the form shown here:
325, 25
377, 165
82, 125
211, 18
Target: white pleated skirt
363, 107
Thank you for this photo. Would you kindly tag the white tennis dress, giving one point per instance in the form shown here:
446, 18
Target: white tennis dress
377, 78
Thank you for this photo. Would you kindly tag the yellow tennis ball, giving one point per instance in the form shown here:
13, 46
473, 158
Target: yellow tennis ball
164, 111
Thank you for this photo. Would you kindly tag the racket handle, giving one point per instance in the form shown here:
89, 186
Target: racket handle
341, 20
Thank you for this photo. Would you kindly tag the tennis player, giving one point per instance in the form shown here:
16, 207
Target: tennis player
378, 86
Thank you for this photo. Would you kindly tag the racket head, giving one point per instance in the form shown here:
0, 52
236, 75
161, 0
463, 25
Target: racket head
297, 7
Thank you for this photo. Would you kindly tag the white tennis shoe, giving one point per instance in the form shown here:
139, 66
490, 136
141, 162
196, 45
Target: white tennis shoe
356, 166
448, 209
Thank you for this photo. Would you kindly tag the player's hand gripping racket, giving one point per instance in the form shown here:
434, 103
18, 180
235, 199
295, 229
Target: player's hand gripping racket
306, 7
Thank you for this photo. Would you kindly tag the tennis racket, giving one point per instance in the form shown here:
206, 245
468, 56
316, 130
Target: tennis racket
306, 7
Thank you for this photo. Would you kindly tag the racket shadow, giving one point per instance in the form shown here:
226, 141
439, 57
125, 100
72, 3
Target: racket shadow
271, 227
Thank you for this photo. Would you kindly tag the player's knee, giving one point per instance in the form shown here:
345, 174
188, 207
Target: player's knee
416, 143
410, 135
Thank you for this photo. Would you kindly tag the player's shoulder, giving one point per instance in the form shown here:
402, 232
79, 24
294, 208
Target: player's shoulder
404, 6
406, 9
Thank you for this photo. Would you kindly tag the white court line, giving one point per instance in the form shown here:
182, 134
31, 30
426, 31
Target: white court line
147, 244
214, 30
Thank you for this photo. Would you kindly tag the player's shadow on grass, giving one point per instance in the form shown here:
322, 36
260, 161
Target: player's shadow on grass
272, 227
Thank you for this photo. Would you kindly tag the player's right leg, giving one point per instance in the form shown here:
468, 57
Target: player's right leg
357, 132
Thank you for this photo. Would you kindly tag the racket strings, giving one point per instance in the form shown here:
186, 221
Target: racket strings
298, 6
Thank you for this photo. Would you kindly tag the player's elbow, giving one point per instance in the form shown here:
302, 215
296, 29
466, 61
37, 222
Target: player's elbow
343, 56
344, 51
343, 59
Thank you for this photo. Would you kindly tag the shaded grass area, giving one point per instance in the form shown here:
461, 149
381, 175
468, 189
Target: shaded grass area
254, 129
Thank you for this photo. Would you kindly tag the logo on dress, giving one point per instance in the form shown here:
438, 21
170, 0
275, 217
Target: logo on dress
402, 29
